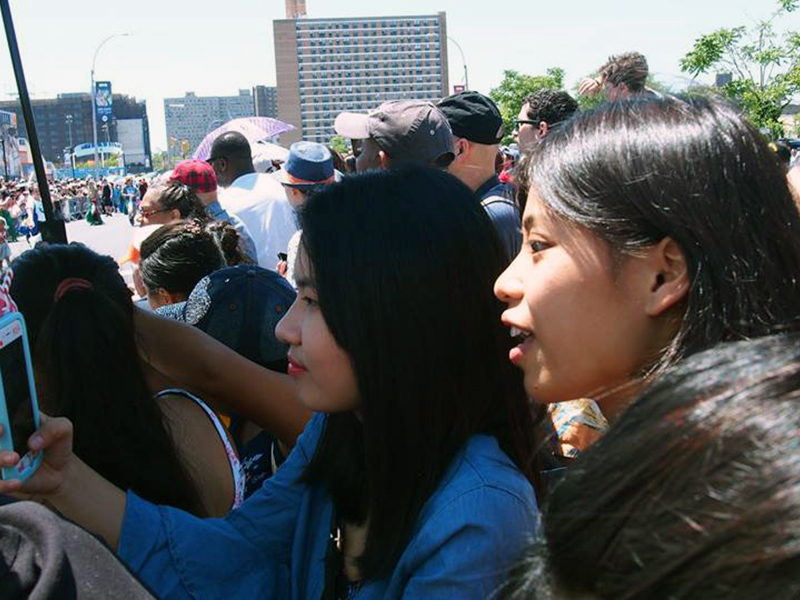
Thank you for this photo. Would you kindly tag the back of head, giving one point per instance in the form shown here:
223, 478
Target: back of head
408, 131
629, 69
551, 106
178, 255
473, 116
693, 493
233, 146
693, 170
87, 367
405, 261
229, 241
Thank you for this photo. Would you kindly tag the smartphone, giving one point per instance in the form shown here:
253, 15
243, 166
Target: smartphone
19, 410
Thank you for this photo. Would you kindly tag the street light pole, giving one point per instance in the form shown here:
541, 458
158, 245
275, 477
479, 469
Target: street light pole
69, 127
94, 107
463, 61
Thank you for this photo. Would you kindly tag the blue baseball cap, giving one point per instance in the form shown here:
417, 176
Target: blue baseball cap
240, 307
309, 165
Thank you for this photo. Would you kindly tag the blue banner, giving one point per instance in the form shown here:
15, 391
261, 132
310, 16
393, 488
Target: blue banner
103, 101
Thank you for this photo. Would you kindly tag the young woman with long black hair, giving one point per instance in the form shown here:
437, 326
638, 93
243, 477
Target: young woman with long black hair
414, 477
654, 229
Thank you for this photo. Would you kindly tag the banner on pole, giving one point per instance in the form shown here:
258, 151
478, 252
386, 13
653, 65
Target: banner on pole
103, 101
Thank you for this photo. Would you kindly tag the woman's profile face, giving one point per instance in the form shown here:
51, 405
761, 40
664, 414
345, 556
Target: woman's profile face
323, 372
581, 318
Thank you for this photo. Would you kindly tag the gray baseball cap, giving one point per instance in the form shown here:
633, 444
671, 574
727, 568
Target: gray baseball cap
404, 129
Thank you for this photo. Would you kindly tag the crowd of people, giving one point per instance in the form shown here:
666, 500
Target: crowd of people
437, 368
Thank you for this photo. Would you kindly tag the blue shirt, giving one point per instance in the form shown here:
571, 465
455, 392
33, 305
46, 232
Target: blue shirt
470, 531
497, 199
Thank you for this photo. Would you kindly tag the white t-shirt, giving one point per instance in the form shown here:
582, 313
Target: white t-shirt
260, 202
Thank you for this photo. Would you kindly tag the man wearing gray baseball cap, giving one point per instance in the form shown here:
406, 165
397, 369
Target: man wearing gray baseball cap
399, 131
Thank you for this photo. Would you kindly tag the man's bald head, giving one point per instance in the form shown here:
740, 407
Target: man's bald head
231, 157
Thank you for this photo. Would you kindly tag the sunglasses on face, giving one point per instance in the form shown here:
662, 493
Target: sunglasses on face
149, 213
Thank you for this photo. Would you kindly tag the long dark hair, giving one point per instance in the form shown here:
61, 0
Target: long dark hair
178, 255
85, 354
404, 265
693, 493
692, 169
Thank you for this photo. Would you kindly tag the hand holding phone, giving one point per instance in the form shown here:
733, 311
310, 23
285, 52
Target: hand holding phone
19, 410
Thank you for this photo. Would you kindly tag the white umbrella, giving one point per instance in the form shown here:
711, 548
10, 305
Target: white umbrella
255, 129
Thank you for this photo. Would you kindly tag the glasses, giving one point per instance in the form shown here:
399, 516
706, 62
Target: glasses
520, 122
212, 159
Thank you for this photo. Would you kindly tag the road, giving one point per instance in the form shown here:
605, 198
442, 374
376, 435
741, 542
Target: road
112, 238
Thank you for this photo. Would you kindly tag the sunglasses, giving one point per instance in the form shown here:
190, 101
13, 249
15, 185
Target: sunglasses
149, 213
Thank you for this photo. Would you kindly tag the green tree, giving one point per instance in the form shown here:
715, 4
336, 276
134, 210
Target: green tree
160, 160
340, 144
765, 66
515, 86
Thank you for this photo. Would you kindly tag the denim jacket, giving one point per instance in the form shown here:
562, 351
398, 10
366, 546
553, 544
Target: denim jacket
470, 531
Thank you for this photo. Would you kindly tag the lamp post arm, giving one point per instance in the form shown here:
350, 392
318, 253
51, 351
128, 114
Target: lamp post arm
463, 61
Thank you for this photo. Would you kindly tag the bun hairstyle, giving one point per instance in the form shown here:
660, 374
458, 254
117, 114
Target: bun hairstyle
178, 255
229, 242
637, 171
693, 493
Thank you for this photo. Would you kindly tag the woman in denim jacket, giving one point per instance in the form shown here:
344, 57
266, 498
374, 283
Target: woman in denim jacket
413, 478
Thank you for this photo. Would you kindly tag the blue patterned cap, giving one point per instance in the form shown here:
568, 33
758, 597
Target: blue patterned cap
240, 307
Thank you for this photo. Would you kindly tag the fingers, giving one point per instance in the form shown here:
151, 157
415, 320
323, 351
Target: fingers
282, 267
51, 431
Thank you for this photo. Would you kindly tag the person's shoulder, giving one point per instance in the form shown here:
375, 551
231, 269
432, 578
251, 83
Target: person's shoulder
482, 475
267, 185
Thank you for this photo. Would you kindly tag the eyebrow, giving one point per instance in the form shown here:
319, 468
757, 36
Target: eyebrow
304, 282
528, 222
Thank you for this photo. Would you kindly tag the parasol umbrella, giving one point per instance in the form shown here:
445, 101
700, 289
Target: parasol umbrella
254, 129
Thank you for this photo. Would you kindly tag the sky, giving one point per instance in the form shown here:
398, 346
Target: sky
215, 48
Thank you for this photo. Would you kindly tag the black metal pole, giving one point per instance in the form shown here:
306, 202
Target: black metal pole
52, 231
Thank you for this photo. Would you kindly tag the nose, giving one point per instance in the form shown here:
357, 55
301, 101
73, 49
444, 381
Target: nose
509, 286
287, 330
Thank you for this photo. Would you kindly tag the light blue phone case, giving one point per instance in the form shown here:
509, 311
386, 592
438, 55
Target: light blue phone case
12, 326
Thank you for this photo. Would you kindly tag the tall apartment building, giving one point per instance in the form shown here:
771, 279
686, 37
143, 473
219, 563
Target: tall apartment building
327, 66
265, 101
192, 117
66, 120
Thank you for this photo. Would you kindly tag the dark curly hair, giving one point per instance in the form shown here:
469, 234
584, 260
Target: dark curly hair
550, 106
629, 69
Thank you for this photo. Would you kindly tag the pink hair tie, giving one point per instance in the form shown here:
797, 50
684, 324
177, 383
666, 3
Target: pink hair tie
71, 283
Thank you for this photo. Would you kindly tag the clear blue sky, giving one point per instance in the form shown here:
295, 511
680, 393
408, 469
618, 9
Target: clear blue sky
215, 48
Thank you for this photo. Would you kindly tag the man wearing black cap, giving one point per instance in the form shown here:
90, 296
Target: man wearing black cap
477, 130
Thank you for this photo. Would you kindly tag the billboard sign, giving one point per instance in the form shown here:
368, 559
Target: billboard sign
103, 101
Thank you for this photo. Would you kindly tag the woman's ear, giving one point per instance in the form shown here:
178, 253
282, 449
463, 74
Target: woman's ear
669, 277
384, 159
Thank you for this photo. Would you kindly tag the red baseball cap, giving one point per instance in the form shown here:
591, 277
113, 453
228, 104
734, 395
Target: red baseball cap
196, 174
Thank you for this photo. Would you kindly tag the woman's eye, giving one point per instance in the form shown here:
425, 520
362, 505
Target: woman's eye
538, 246
309, 301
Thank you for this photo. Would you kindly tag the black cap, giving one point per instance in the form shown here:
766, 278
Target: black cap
473, 116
